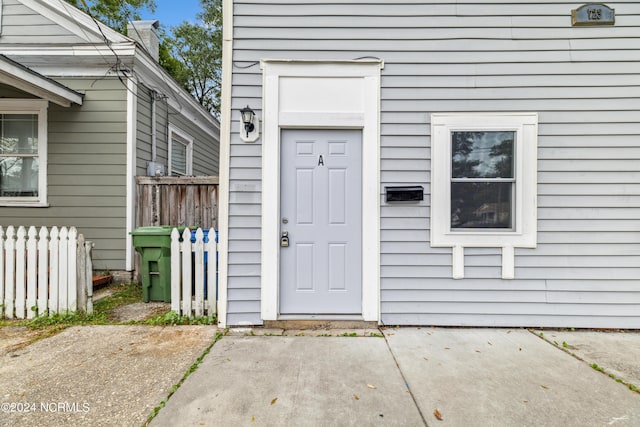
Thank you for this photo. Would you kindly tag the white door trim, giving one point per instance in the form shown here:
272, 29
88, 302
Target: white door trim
289, 101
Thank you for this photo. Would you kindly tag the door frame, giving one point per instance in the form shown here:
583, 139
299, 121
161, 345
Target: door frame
320, 95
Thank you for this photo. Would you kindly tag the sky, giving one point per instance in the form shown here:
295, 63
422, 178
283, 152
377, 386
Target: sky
171, 13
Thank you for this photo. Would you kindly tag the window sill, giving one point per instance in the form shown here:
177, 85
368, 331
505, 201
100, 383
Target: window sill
6, 204
484, 239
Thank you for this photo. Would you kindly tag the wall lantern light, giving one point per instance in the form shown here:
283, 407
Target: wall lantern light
249, 126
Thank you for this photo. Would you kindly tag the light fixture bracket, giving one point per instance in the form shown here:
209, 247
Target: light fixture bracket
249, 125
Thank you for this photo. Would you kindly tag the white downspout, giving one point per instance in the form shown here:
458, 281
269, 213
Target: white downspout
225, 141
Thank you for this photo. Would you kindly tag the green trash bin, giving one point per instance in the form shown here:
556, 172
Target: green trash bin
154, 245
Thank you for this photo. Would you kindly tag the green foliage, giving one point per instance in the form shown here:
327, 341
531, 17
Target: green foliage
67, 319
193, 55
115, 13
124, 294
174, 67
173, 318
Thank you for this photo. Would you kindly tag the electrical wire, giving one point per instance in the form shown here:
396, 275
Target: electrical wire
235, 64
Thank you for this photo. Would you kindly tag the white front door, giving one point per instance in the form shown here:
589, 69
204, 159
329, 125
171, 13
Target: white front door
321, 214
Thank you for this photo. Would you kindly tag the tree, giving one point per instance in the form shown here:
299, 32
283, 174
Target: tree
192, 54
115, 13
198, 51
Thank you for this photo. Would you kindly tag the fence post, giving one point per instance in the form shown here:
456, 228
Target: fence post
63, 272
9, 277
81, 274
53, 271
175, 270
32, 268
185, 248
88, 245
21, 274
212, 267
43, 270
72, 290
198, 248
2, 283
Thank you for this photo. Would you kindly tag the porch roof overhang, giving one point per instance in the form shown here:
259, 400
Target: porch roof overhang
20, 77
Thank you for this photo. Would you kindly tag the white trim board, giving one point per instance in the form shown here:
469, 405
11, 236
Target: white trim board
132, 103
225, 142
337, 95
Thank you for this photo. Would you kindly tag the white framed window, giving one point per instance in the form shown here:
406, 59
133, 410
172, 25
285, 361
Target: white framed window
484, 182
180, 153
23, 152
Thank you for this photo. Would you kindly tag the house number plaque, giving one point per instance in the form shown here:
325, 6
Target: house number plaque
593, 14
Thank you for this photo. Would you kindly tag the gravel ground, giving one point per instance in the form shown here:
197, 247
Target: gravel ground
94, 375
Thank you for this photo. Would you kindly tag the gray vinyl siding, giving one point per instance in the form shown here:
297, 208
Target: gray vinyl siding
206, 145
22, 25
497, 56
143, 128
86, 170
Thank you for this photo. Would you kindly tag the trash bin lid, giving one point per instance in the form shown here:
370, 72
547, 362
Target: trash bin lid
156, 230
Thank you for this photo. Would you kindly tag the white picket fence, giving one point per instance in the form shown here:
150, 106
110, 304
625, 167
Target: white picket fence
188, 272
44, 272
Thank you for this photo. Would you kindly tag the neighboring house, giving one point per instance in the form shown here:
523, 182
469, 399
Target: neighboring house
84, 110
515, 130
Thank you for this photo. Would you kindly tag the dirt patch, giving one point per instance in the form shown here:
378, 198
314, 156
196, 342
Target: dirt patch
13, 338
138, 311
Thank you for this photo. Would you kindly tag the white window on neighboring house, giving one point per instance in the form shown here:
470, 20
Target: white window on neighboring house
484, 183
23, 152
180, 153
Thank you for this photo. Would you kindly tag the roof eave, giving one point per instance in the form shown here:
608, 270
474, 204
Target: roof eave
25, 79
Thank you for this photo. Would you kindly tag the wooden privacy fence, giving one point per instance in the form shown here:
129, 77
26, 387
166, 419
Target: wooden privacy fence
44, 272
193, 281
190, 201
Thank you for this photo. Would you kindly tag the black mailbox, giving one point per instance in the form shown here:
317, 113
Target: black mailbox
405, 194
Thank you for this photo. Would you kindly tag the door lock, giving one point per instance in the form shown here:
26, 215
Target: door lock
284, 239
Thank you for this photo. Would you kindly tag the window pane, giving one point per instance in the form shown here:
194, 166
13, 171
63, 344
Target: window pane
485, 154
18, 177
481, 205
178, 158
19, 134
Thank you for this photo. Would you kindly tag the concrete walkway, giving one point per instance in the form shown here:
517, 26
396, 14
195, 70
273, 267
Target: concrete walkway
116, 375
94, 375
412, 377
498, 377
294, 381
